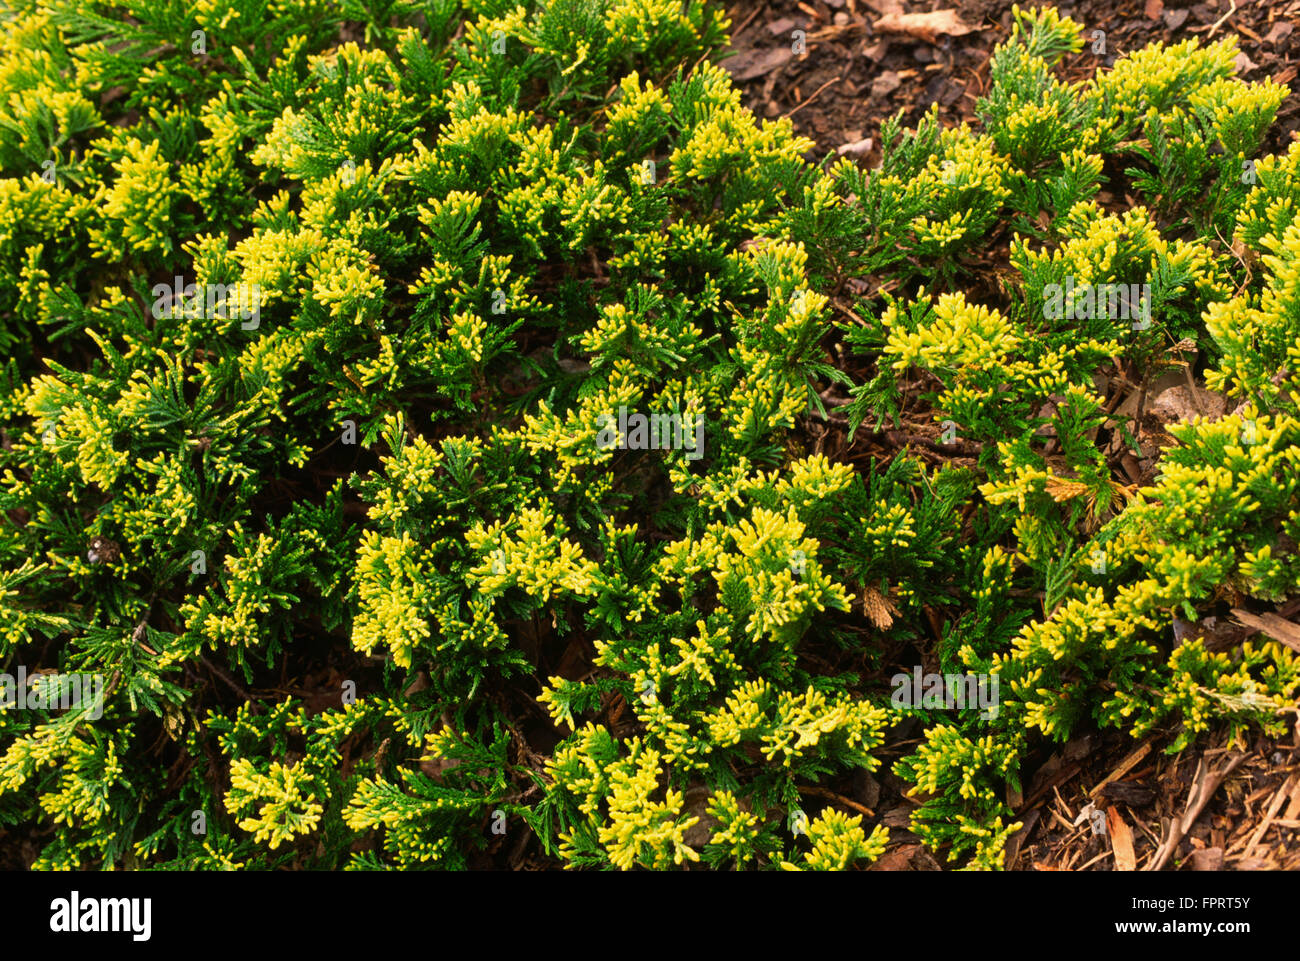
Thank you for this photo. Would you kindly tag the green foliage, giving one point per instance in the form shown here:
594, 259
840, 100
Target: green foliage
365, 538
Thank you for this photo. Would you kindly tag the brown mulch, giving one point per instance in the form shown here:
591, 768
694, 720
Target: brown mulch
1234, 807
1105, 802
855, 71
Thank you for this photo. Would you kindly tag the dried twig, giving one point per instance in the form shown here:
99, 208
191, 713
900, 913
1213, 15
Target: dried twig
1126, 765
1268, 820
1218, 23
816, 93
832, 796
1204, 784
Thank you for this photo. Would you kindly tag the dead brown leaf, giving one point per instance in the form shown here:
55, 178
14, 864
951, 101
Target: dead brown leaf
899, 859
749, 64
885, 83
859, 148
925, 26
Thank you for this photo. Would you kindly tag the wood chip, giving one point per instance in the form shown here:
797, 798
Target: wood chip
1134, 795
1281, 30
1278, 628
1121, 840
1126, 765
1017, 840
1207, 859
1293, 809
1182, 403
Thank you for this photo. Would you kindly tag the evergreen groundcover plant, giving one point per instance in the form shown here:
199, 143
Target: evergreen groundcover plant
404, 415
